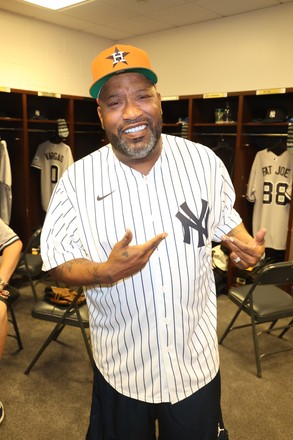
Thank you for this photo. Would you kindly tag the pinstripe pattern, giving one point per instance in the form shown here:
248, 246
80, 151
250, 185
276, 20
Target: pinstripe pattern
153, 334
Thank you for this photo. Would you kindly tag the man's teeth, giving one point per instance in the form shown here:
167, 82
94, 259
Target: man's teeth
135, 129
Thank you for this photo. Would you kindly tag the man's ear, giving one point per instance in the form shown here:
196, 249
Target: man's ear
100, 115
159, 98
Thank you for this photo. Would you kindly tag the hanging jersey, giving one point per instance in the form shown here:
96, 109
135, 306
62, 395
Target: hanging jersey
52, 160
5, 183
269, 187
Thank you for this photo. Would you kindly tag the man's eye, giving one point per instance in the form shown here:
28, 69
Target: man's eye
113, 103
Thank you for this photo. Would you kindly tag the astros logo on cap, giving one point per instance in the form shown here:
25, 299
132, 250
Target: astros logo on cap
118, 57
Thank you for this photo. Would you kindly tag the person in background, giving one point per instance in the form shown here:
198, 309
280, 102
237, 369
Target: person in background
134, 223
10, 249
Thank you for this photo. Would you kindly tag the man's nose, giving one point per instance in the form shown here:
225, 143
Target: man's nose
131, 110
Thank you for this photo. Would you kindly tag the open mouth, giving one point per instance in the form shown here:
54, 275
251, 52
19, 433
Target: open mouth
137, 129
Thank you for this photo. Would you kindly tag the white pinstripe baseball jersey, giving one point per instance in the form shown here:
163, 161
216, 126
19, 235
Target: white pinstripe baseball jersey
269, 187
52, 159
154, 334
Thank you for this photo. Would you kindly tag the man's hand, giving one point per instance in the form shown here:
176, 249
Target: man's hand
126, 260
123, 261
246, 251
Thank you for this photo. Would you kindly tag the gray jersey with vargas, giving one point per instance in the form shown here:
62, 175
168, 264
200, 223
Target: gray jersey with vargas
154, 334
52, 159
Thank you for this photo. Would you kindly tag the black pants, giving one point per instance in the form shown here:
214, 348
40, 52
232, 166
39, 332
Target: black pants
116, 417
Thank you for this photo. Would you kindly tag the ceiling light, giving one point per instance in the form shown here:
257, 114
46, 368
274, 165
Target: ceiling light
55, 4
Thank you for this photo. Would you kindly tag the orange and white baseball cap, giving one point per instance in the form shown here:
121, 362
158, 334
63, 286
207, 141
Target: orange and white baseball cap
119, 59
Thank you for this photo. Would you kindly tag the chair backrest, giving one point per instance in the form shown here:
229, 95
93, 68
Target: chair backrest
33, 242
276, 273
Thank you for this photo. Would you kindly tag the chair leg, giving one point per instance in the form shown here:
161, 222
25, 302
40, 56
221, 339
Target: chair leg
82, 328
286, 329
230, 325
56, 332
256, 348
33, 287
15, 326
49, 339
34, 290
31, 281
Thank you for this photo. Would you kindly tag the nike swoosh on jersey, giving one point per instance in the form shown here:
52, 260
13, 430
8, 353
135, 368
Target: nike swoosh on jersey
99, 198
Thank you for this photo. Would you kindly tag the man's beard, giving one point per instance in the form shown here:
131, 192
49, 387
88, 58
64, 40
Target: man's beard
128, 148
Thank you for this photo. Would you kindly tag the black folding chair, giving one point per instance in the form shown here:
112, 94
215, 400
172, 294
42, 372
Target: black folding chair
264, 301
29, 266
13, 297
73, 315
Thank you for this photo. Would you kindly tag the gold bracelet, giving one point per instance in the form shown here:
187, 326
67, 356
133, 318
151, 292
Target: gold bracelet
2, 283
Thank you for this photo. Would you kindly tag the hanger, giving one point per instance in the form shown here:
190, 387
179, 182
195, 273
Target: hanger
279, 147
223, 144
54, 137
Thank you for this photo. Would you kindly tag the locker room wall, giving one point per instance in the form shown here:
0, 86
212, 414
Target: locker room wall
245, 52
39, 56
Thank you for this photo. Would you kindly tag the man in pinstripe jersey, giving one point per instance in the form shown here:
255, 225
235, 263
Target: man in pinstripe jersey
133, 223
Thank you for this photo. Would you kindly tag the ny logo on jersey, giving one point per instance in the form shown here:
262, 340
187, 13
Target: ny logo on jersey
118, 57
200, 224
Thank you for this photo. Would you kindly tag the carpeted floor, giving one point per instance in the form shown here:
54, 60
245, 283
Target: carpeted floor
53, 401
